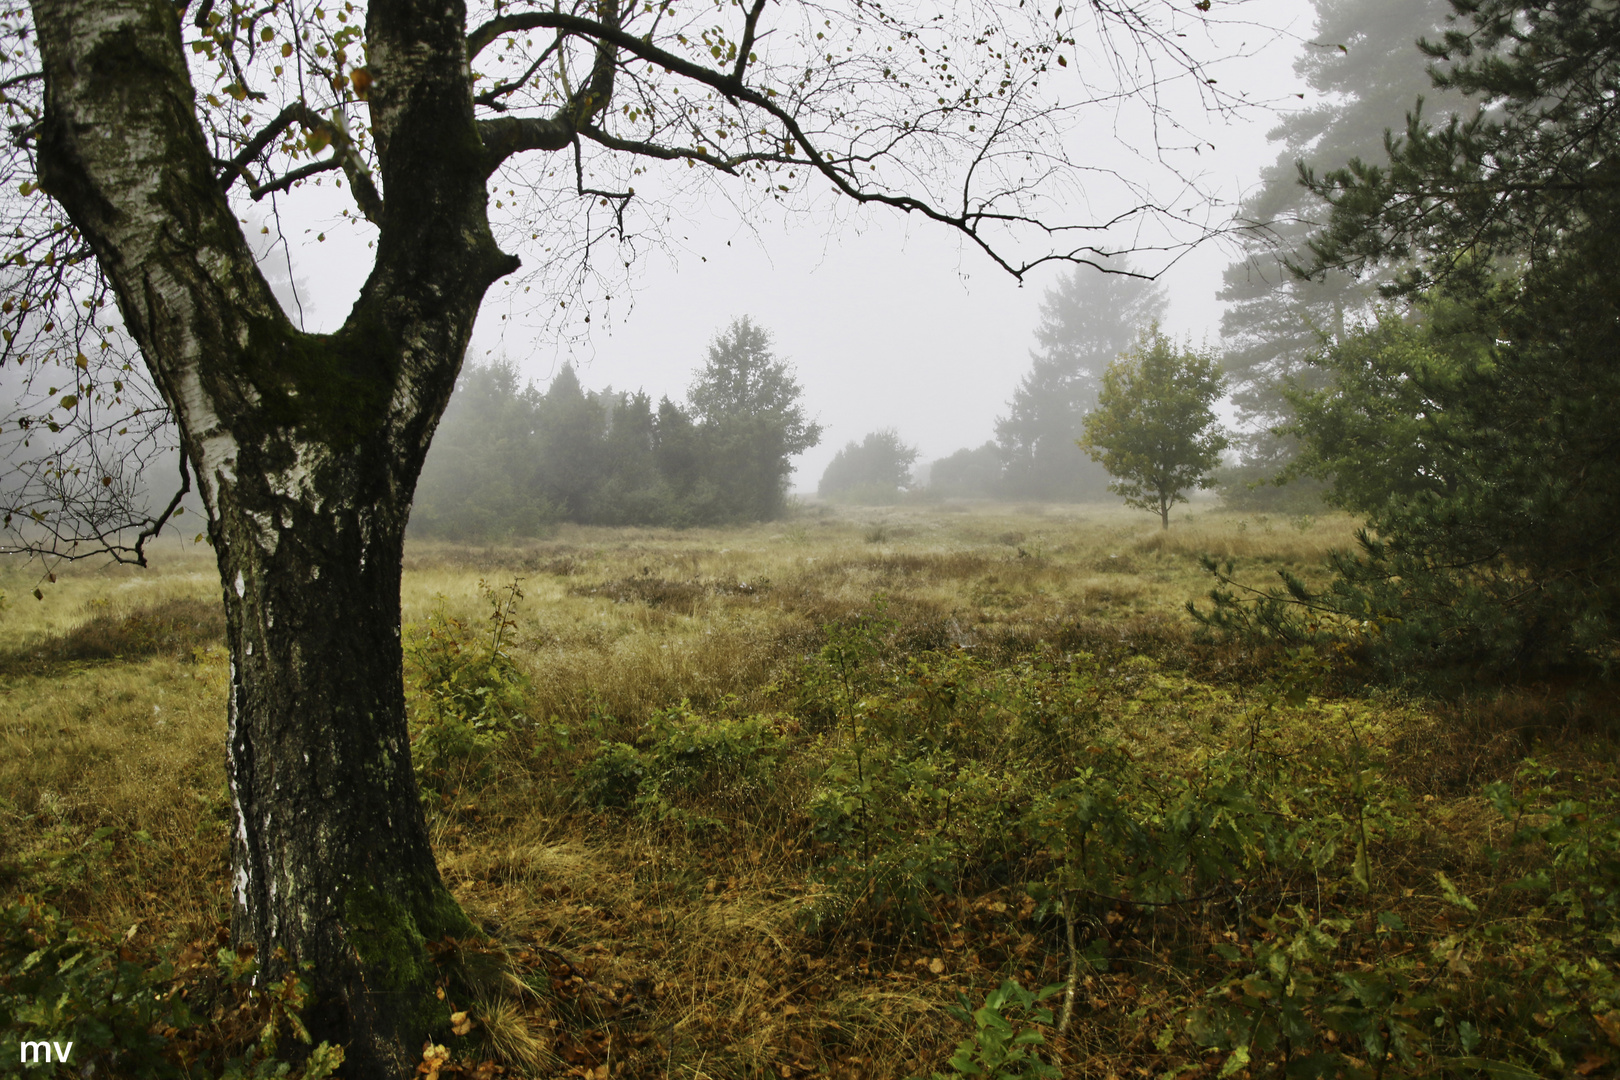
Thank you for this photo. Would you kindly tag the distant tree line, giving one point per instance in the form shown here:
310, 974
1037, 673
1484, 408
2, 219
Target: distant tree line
511, 459
876, 469
1090, 321
1148, 422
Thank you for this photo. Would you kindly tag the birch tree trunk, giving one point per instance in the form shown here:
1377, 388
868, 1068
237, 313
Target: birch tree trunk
306, 449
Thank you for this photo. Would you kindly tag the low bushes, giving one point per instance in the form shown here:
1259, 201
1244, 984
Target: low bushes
111, 1010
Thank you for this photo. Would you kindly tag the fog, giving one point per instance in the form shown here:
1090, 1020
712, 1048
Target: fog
890, 321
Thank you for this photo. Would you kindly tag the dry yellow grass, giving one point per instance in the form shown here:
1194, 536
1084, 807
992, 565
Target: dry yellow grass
671, 953
135, 748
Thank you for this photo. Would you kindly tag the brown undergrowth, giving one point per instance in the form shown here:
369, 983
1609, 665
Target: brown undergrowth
766, 802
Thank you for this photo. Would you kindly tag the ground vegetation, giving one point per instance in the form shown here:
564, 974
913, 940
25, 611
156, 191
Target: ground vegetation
788, 799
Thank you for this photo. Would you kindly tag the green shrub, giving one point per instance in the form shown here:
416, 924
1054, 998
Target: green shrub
1001, 1047
696, 757
905, 829
612, 777
469, 695
121, 1017
689, 761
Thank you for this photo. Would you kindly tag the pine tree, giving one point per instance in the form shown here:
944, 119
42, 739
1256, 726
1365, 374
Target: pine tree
1491, 544
1087, 320
1365, 72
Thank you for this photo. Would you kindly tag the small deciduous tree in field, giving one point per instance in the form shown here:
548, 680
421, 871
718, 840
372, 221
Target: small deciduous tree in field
1154, 427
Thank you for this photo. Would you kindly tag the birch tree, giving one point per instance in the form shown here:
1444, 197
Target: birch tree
142, 128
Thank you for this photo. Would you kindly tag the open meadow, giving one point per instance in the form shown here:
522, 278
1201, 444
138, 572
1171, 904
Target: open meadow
781, 800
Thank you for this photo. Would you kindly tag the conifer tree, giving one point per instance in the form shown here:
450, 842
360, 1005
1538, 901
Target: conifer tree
1087, 320
1364, 71
1490, 546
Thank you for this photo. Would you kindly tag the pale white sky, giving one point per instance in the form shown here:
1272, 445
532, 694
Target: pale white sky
889, 321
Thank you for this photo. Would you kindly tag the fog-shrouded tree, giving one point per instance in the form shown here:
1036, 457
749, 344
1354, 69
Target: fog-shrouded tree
479, 482
1087, 321
750, 421
142, 128
1364, 72
876, 467
1154, 428
970, 473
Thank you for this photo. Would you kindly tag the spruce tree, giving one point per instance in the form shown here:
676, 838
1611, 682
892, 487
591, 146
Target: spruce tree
1087, 320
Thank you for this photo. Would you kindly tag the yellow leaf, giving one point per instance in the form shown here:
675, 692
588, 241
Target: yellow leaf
460, 1023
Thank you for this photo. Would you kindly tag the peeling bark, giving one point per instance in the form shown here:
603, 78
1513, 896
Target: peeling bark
306, 450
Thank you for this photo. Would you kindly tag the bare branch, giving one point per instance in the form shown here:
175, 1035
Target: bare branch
679, 153
345, 156
968, 221
286, 181
485, 35
155, 525
749, 26
491, 98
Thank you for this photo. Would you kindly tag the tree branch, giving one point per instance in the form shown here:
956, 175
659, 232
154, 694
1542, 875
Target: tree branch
509, 135
677, 153
345, 156
17, 80
747, 40
155, 526
314, 168
491, 97
967, 221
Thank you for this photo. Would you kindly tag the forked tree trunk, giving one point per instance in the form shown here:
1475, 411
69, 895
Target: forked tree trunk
306, 448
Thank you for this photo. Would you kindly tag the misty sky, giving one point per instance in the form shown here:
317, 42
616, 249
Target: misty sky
889, 321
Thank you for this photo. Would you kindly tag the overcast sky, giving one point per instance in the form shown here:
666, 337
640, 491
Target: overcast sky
889, 321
